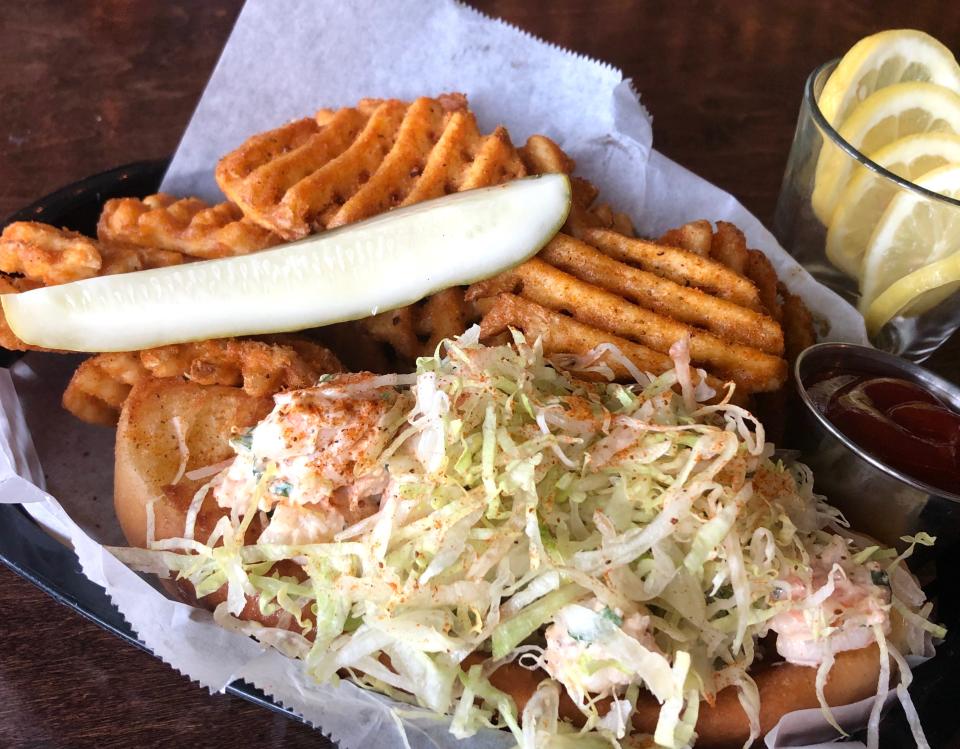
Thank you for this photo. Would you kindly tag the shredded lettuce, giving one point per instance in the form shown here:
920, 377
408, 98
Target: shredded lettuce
620, 537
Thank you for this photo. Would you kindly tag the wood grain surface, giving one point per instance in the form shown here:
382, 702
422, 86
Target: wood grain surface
88, 85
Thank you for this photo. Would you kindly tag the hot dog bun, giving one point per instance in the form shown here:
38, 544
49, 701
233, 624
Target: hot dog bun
149, 454
148, 457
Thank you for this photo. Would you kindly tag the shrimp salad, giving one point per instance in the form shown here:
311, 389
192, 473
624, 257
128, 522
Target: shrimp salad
494, 507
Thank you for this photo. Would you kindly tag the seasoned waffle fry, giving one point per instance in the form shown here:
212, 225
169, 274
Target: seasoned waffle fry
678, 265
560, 334
652, 307
47, 255
119, 258
760, 270
695, 236
443, 315
397, 328
542, 156
8, 339
41, 255
344, 166
260, 367
798, 330
691, 306
417, 330
536, 281
729, 247
188, 226
100, 385
709, 289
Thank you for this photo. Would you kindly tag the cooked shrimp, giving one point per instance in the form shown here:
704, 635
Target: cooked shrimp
836, 609
310, 462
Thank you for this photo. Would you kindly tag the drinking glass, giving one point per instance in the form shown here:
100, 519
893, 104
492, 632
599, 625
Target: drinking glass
825, 170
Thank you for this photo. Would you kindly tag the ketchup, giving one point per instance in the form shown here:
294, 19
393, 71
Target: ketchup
894, 420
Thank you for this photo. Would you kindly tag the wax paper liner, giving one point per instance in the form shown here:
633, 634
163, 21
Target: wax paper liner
286, 58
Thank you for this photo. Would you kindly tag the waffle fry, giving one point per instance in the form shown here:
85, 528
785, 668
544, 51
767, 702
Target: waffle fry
695, 236
43, 255
572, 288
542, 156
798, 330
776, 300
188, 226
37, 255
397, 328
8, 339
47, 255
100, 385
729, 247
752, 370
347, 165
560, 334
118, 258
677, 265
760, 270
669, 298
417, 330
443, 315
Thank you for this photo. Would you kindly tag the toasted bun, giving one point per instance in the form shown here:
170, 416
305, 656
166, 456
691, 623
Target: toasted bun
148, 457
149, 454
783, 688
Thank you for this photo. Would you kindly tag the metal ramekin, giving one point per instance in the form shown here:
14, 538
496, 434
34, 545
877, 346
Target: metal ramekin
877, 499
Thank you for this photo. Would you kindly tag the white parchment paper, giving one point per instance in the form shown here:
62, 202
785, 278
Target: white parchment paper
285, 59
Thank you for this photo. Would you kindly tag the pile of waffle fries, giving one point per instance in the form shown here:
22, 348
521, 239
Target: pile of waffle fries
595, 283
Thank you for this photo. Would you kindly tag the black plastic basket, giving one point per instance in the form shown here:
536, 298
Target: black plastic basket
24, 546
30, 552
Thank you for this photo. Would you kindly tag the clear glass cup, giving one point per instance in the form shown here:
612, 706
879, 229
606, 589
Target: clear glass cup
827, 180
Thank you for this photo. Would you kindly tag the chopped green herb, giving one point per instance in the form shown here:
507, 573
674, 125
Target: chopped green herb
724, 591
243, 441
611, 615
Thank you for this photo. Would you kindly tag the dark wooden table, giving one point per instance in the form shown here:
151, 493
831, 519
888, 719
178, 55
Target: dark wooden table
88, 85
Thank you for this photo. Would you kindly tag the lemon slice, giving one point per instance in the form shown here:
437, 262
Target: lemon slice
385, 262
888, 115
916, 293
865, 198
880, 60
913, 232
